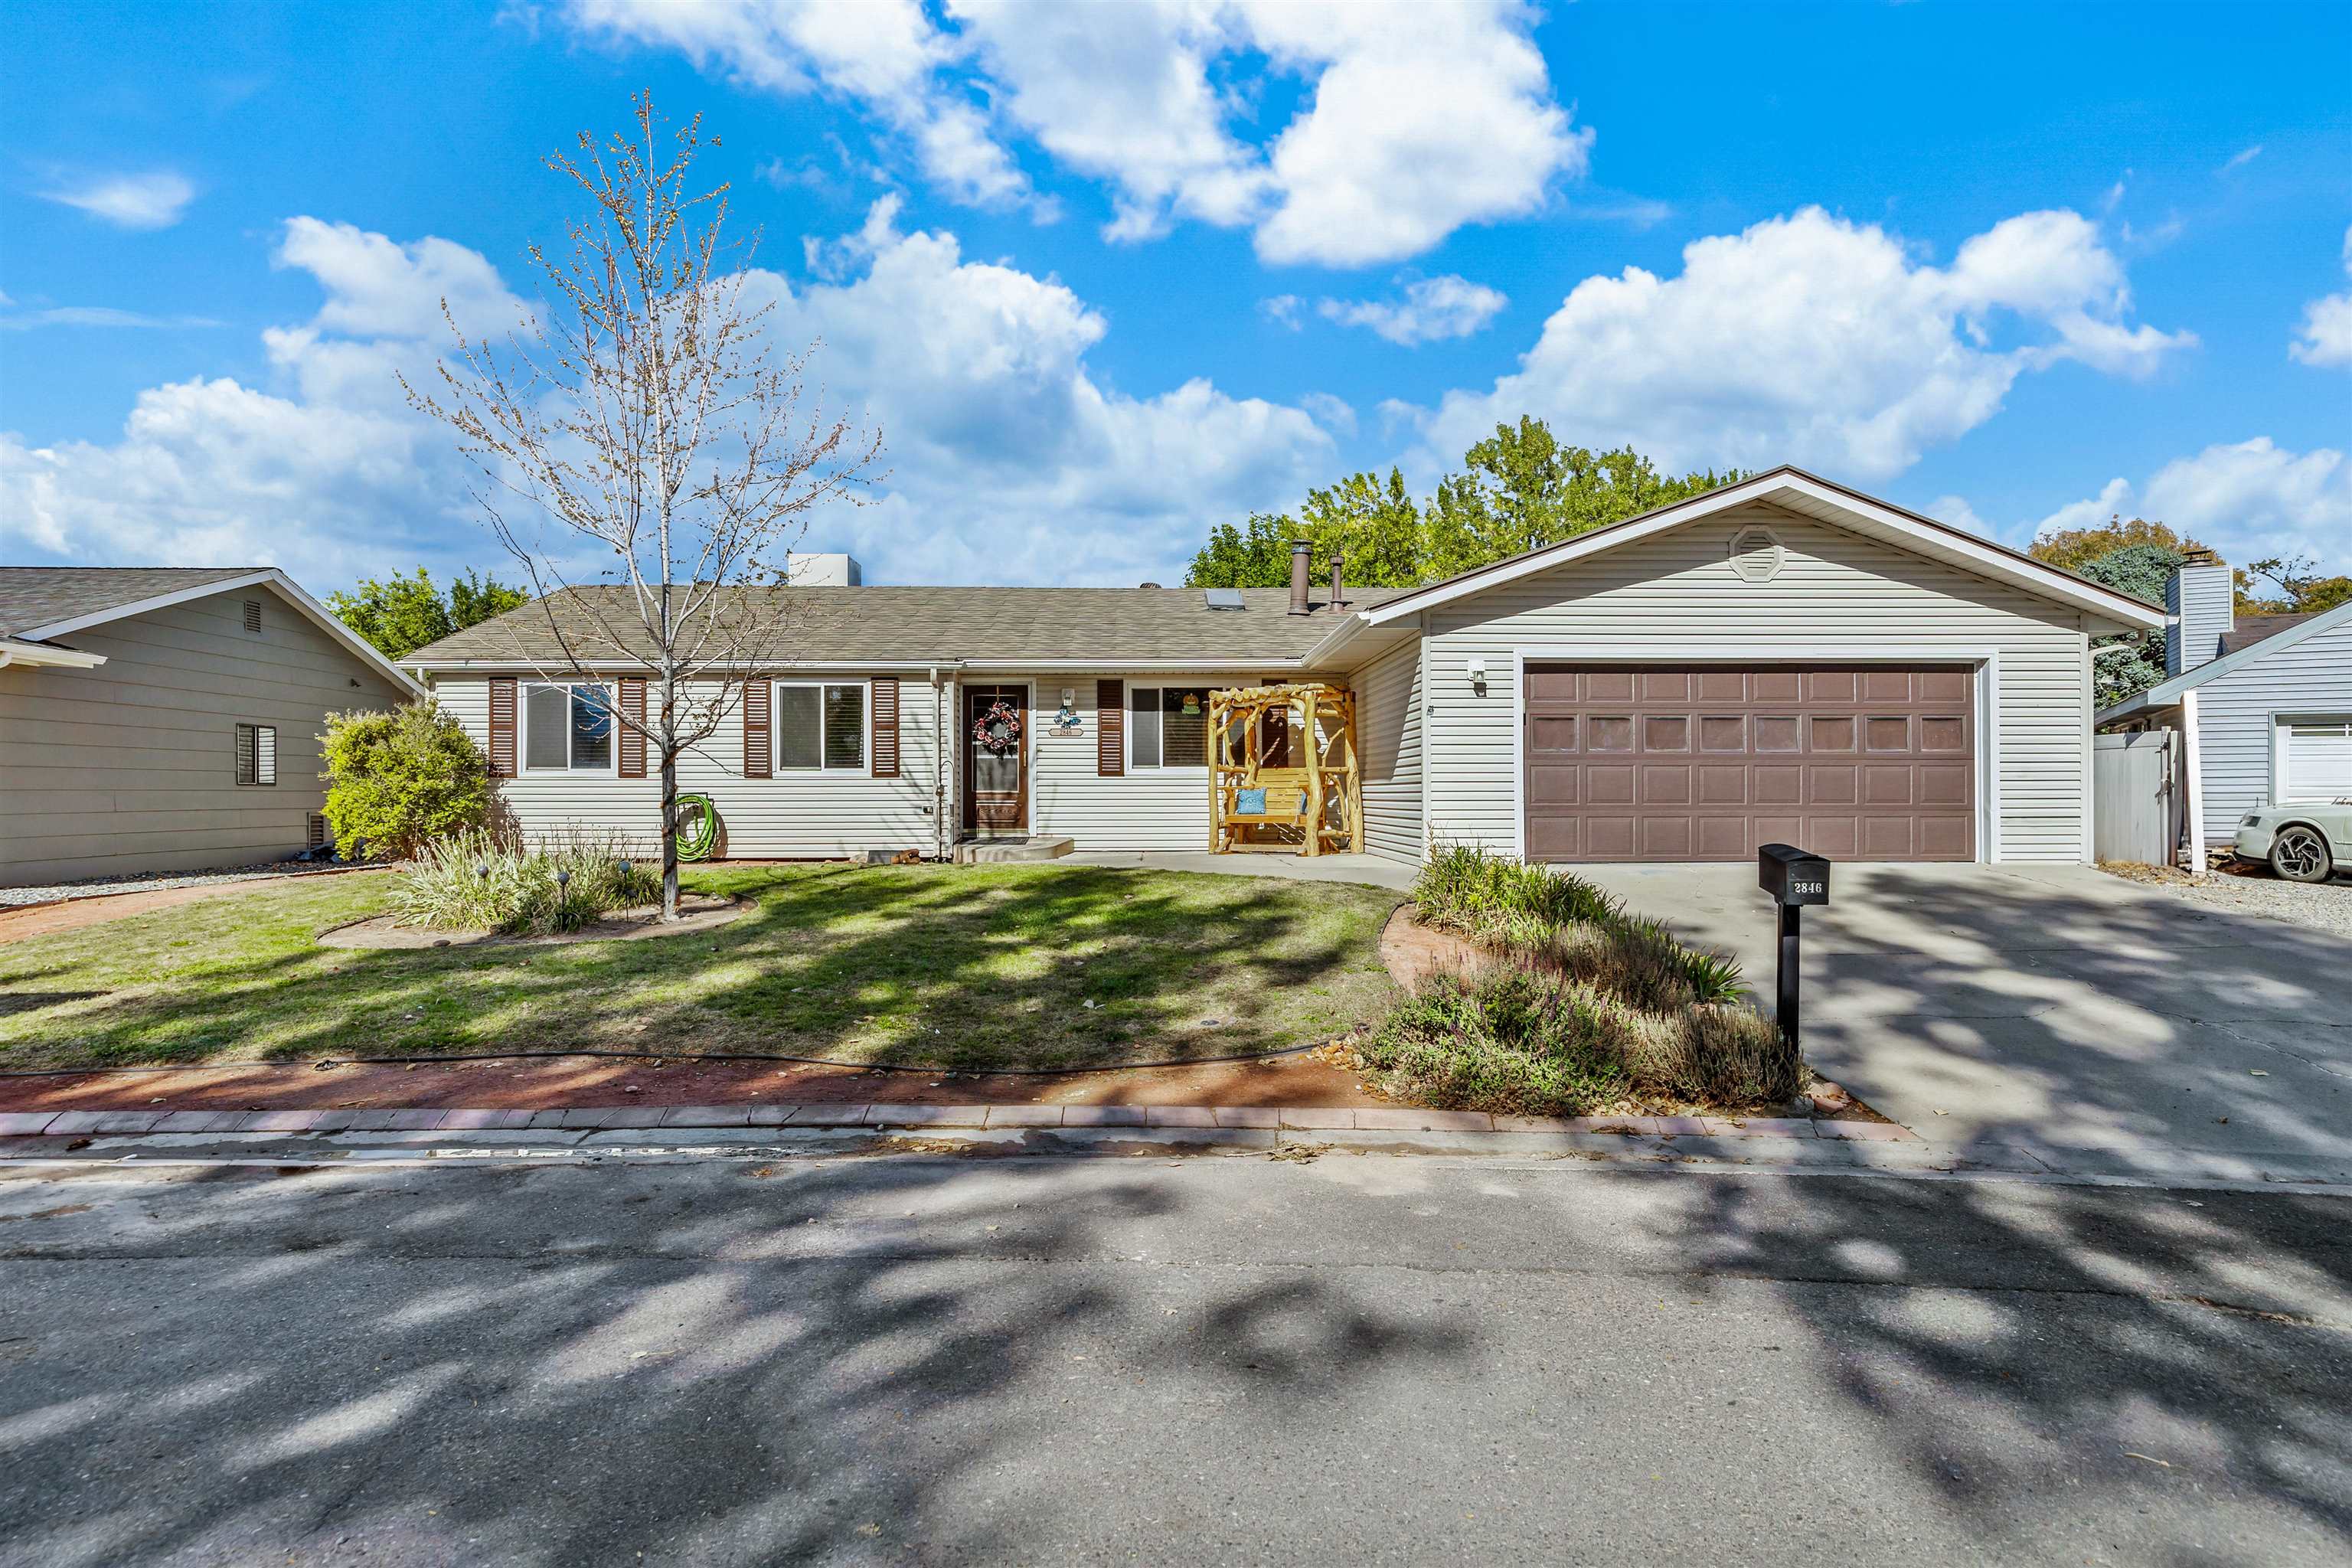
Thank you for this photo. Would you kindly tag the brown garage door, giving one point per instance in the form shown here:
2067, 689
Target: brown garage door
1664, 763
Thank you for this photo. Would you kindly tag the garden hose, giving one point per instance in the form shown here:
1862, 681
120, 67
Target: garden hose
705, 836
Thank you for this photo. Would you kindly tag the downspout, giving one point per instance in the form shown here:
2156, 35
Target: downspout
938, 768
2190, 759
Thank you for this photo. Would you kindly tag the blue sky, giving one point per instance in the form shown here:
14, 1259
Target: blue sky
1106, 275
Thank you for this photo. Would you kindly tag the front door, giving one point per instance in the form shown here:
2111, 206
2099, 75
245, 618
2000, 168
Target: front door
995, 760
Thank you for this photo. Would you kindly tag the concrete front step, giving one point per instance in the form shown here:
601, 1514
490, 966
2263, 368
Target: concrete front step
994, 851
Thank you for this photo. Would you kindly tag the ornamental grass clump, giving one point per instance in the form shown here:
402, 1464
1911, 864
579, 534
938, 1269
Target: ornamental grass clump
1579, 1004
480, 880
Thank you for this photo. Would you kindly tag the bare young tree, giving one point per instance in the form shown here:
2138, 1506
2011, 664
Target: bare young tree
641, 415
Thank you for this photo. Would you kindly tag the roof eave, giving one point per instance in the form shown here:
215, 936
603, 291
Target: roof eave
2109, 609
36, 654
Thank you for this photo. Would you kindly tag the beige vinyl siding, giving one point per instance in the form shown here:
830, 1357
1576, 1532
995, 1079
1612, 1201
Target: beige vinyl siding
2236, 721
1388, 735
792, 815
1143, 810
1836, 594
131, 767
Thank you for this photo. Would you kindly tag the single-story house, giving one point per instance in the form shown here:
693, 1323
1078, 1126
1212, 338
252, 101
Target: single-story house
1779, 660
166, 717
2262, 704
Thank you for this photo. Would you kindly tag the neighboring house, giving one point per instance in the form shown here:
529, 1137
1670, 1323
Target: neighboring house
1783, 658
2262, 704
166, 719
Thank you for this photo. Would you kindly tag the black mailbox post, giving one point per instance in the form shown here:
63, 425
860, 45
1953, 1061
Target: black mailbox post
1795, 878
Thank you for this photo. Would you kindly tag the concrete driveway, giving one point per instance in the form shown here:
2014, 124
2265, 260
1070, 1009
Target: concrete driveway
2051, 1007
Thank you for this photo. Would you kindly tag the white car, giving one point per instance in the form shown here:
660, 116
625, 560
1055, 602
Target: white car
2303, 841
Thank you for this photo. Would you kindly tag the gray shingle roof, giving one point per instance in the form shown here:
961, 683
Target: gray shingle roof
914, 626
43, 596
2251, 629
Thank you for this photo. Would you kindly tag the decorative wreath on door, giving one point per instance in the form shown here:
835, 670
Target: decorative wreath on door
998, 730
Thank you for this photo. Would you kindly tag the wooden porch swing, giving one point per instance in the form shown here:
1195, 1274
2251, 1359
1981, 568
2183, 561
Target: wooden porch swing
1283, 774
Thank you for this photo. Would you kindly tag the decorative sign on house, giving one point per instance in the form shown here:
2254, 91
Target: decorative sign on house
1066, 722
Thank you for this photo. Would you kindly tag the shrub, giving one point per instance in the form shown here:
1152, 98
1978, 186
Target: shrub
478, 880
1504, 1038
398, 780
1582, 1002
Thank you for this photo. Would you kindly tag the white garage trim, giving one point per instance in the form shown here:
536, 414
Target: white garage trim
1984, 662
2282, 768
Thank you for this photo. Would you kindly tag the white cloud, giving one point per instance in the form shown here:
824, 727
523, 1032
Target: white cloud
1814, 340
1956, 511
2239, 160
884, 55
1282, 310
2326, 339
1413, 120
155, 200
1008, 461
1433, 308
1331, 412
95, 316
2248, 501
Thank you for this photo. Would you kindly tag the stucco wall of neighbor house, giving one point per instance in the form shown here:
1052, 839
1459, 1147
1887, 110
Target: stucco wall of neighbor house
2236, 715
1836, 594
1388, 736
818, 814
130, 766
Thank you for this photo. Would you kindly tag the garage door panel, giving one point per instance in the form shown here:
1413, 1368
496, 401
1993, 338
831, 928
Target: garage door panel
1705, 762
1665, 785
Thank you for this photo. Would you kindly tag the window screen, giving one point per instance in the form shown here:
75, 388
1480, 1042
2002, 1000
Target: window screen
1143, 726
546, 717
844, 726
799, 741
592, 727
257, 753
1184, 726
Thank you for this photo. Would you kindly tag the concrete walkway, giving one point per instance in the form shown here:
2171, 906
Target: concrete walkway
2050, 1007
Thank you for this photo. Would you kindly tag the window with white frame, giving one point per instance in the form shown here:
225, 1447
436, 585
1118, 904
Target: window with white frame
1167, 727
567, 726
820, 726
257, 753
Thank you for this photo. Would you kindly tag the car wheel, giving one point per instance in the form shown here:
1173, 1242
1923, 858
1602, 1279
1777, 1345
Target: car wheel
2300, 855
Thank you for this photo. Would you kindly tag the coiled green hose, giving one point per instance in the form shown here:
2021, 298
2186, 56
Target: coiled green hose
696, 843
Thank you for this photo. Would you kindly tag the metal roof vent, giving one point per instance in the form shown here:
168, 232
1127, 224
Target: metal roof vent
1224, 598
1755, 554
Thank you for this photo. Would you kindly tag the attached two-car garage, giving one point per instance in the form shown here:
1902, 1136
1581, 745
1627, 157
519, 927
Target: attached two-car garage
1707, 762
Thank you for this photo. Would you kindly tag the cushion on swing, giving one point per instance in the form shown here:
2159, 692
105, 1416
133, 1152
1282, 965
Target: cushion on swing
1249, 803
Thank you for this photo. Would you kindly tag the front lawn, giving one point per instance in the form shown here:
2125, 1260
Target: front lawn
970, 968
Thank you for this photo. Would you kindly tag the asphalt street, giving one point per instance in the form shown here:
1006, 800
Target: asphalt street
1357, 1358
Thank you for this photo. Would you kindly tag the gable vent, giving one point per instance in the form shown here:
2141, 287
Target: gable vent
253, 614
1757, 554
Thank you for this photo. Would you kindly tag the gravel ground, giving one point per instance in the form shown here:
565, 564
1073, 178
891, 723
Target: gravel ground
98, 887
2322, 906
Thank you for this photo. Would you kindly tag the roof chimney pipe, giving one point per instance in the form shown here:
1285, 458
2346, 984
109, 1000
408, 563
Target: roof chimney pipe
1299, 572
1339, 589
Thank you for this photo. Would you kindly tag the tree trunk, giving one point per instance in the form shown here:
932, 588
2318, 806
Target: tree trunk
669, 835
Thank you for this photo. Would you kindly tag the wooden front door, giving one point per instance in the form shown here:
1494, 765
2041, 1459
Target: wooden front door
995, 782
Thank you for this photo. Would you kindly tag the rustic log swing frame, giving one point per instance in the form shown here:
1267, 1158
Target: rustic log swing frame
1314, 799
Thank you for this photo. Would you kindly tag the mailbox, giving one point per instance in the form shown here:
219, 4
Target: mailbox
1791, 875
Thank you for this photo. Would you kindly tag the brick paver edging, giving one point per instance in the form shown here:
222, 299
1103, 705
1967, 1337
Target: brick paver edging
1381, 1119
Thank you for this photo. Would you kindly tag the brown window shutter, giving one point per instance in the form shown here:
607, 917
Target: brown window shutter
886, 727
502, 726
1110, 729
632, 734
758, 744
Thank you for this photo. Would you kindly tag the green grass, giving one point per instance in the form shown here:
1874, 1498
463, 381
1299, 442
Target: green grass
966, 968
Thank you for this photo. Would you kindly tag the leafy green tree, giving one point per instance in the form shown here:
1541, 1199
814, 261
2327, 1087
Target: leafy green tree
400, 615
2140, 570
2300, 590
396, 780
1519, 488
2073, 549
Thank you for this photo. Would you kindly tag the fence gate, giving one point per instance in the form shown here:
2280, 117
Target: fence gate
2137, 800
